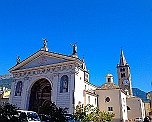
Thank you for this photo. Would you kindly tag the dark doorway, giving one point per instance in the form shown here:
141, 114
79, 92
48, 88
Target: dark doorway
40, 94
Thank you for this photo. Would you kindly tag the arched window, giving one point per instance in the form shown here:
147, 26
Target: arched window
18, 89
64, 84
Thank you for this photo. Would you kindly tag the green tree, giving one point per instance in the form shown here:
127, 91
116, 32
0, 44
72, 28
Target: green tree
91, 113
56, 114
8, 113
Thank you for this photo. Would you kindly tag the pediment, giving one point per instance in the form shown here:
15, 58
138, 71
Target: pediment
42, 58
43, 61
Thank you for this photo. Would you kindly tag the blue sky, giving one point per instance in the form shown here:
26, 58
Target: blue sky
100, 28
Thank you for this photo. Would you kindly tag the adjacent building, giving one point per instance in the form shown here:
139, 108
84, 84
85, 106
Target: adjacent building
112, 99
135, 105
149, 111
124, 75
5, 81
136, 108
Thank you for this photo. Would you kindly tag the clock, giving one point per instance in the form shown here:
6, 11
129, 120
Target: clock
126, 82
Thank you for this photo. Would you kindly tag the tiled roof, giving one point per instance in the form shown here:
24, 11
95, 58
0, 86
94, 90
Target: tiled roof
107, 86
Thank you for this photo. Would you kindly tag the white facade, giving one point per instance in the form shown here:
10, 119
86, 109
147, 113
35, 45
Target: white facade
136, 108
50, 69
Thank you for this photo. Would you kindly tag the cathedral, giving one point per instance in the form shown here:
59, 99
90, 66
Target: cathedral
46, 77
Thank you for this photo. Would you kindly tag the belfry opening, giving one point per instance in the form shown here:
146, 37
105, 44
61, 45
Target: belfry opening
40, 94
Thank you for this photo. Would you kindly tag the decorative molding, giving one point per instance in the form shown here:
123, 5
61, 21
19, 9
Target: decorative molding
42, 71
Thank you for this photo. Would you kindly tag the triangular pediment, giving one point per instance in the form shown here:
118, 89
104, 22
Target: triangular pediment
42, 58
43, 61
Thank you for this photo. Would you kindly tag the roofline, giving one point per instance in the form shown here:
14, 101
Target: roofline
90, 84
46, 66
66, 56
23, 61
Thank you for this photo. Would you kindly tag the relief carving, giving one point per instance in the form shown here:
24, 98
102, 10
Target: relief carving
44, 71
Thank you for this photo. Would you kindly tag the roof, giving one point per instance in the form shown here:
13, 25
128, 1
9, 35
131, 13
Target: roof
109, 75
108, 86
42, 52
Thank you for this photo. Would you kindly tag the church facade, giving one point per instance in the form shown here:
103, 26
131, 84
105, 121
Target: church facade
113, 99
46, 77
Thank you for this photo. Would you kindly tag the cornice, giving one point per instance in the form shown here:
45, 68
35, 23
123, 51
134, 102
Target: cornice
46, 66
90, 84
91, 93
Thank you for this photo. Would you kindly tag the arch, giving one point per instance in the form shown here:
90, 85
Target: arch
35, 80
40, 91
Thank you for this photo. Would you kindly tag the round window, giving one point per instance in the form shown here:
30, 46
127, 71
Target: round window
107, 99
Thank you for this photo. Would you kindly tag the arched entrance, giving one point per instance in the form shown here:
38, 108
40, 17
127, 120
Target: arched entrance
40, 94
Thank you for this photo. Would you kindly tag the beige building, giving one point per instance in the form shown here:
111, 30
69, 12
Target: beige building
4, 96
112, 99
136, 108
149, 96
147, 108
135, 105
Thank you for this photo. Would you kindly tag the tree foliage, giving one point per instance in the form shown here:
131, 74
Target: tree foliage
8, 113
91, 113
56, 114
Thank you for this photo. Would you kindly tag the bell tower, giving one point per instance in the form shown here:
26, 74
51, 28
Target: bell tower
124, 76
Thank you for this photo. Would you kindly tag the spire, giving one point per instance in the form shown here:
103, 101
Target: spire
44, 48
122, 59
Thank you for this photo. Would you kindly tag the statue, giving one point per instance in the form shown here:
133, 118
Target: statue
74, 48
45, 42
18, 60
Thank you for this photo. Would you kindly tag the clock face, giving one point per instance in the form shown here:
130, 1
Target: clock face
126, 82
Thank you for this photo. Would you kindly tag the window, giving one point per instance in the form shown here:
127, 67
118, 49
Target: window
124, 100
110, 108
122, 69
18, 89
128, 108
107, 99
109, 80
73, 100
88, 99
123, 75
64, 84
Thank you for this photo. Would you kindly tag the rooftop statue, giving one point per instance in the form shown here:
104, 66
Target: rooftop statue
45, 42
74, 48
